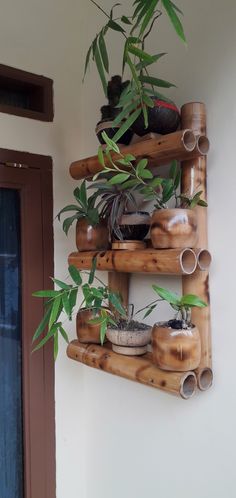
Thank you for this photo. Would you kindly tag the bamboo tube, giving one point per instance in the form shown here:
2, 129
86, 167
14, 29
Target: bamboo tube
119, 282
180, 145
203, 260
166, 261
194, 175
139, 369
203, 144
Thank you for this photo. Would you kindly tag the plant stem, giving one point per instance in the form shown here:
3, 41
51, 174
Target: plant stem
100, 8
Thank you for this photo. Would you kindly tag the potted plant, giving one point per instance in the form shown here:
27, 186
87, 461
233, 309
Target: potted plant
141, 106
91, 228
175, 227
176, 343
109, 112
93, 315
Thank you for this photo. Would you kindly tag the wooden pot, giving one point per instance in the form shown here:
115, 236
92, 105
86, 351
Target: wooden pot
91, 238
87, 332
176, 350
129, 342
174, 228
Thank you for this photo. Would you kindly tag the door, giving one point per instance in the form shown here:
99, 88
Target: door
27, 445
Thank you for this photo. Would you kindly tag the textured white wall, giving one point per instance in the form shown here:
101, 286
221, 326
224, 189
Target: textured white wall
117, 438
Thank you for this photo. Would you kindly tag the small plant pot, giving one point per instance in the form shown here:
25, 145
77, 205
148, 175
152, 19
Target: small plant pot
173, 228
176, 349
91, 238
163, 118
130, 342
107, 126
88, 332
135, 225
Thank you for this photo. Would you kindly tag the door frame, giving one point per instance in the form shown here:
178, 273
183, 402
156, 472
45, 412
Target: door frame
38, 368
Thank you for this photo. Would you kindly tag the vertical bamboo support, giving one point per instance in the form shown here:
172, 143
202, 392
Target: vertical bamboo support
119, 282
194, 175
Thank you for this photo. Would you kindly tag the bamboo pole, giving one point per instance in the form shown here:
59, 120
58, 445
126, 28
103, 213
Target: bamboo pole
194, 174
180, 145
139, 369
166, 261
119, 282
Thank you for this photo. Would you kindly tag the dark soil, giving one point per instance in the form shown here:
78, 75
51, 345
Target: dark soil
178, 324
130, 325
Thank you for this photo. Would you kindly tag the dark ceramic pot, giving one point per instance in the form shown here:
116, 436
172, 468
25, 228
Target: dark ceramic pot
163, 118
110, 130
134, 225
91, 238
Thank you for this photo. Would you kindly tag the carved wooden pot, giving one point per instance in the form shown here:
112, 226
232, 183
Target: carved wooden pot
173, 228
129, 342
177, 350
87, 332
91, 238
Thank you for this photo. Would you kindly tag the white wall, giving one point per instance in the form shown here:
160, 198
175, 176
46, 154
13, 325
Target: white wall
116, 438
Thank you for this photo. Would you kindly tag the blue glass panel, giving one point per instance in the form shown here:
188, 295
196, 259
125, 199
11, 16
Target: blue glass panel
11, 445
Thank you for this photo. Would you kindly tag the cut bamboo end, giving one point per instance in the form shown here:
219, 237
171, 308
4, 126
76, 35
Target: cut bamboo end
204, 260
203, 145
188, 385
161, 261
189, 140
139, 369
205, 378
188, 261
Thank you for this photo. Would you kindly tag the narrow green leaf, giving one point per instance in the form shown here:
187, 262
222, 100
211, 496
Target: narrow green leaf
54, 312
149, 310
66, 304
125, 20
64, 334
45, 293
115, 26
156, 81
70, 207
103, 52
87, 61
103, 329
61, 284
73, 298
143, 64
92, 271
75, 275
202, 203
101, 156
55, 346
116, 302
171, 12
111, 143
45, 339
100, 69
149, 16
125, 112
140, 53
68, 222
177, 8
192, 301
42, 325
127, 124
168, 296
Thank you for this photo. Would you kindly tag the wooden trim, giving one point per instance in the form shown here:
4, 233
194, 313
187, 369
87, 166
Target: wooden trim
35, 186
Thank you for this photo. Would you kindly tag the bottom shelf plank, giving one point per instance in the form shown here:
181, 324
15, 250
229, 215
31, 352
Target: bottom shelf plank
139, 369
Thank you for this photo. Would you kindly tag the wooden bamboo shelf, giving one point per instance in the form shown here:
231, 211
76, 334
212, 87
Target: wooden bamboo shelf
137, 368
190, 146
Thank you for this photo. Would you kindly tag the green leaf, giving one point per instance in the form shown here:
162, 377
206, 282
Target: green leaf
143, 64
73, 298
142, 164
116, 303
103, 52
129, 184
66, 304
111, 143
87, 60
103, 329
149, 310
70, 207
92, 271
93, 216
140, 53
115, 26
202, 203
101, 156
42, 324
156, 182
68, 222
75, 275
168, 296
127, 124
146, 174
126, 111
171, 12
156, 81
148, 101
125, 20
173, 170
64, 334
61, 284
115, 5
176, 8
54, 312
192, 301
119, 178
45, 293
100, 69
148, 16
47, 337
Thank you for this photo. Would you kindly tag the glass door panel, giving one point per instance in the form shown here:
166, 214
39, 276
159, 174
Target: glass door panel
11, 424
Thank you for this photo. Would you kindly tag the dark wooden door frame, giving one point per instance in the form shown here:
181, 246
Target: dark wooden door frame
34, 181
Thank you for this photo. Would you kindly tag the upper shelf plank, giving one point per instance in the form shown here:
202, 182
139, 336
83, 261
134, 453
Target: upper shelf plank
162, 261
181, 145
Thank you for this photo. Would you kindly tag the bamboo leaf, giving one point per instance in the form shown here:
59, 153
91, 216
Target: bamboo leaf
171, 12
66, 304
125, 20
55, 346
68, 222
70, 207
75, 275
61, 284
141, 65
127, 124
64, 334
100, 69
101, 156
45, 293
54, 312
140, 53
87, 61
103, 52
92, 271
192, 301
115, 26
45, 339
156, 81
73, 298
126, 111
168, 296
148, 16
42, 325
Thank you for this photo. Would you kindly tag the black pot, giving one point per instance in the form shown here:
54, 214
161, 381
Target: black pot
134, 225
163, 118
110, 130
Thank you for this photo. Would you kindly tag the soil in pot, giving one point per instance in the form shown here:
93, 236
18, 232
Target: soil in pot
173, 228
176, 348
88, 332
91, 238
130, 338
163, 118
134, 225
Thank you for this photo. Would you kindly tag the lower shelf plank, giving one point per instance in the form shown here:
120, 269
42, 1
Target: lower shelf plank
139, 369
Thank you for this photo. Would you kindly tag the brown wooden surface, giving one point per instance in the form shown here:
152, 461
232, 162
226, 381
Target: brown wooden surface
35, 187
173, 228
119, 282
180, 145
166, 261
194, 178
139, 369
